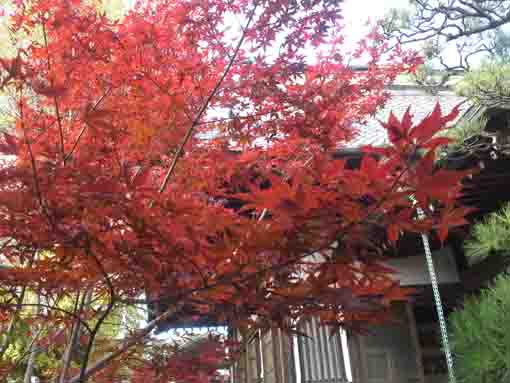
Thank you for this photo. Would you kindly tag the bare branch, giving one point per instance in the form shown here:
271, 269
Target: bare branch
126, 345
471, 23
78, 307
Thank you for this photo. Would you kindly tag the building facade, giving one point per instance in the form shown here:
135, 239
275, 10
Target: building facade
407, 350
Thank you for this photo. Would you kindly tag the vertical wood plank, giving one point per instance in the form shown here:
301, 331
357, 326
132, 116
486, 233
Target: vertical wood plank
268, 357
253, 363
317, 341
321, 358
240, 367
328, 343
304, 354
354, 354
415, 341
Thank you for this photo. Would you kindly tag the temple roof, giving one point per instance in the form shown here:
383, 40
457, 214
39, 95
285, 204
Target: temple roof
422, 103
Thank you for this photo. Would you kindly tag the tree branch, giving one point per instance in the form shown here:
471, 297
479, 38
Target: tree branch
98, 102
55, 101
73, 338
206, 104
126, 345
474, 31
468, 21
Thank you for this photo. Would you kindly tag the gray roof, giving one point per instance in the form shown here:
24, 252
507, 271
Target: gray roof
422, 103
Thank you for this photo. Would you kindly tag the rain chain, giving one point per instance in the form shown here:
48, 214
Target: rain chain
437, 300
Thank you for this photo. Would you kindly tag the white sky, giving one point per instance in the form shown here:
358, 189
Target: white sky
359, 15
357, 12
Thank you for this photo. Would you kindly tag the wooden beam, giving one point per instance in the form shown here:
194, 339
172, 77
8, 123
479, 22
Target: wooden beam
412, 271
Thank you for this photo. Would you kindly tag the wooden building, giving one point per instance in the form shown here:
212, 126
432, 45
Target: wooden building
409, 349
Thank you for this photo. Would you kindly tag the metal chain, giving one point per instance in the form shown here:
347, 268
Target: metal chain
437, 300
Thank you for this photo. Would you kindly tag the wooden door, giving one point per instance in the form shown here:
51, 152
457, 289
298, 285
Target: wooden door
378, 364
390, 353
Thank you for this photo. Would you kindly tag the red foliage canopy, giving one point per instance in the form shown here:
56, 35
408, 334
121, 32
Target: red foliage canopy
154, 155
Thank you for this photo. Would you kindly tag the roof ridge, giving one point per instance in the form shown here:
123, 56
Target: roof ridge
431, 90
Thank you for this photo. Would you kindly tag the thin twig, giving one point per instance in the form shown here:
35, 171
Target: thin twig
78, 307
206, 104
126, 345
98, 102
102, 318
51, 307
55, 101
32, 159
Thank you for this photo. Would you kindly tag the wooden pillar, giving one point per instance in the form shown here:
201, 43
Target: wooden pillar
415, 341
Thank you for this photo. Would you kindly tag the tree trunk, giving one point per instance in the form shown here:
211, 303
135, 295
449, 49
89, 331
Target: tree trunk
29, 372
75, 335
30, 366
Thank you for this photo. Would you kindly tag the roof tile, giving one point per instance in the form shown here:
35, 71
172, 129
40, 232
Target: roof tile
422, 104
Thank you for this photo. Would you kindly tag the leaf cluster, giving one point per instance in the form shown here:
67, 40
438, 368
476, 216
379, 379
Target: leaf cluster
488, 85
460, 132
490, 235
481, 337
156, 162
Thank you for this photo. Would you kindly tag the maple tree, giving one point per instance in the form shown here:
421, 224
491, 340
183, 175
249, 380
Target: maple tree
154, 159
